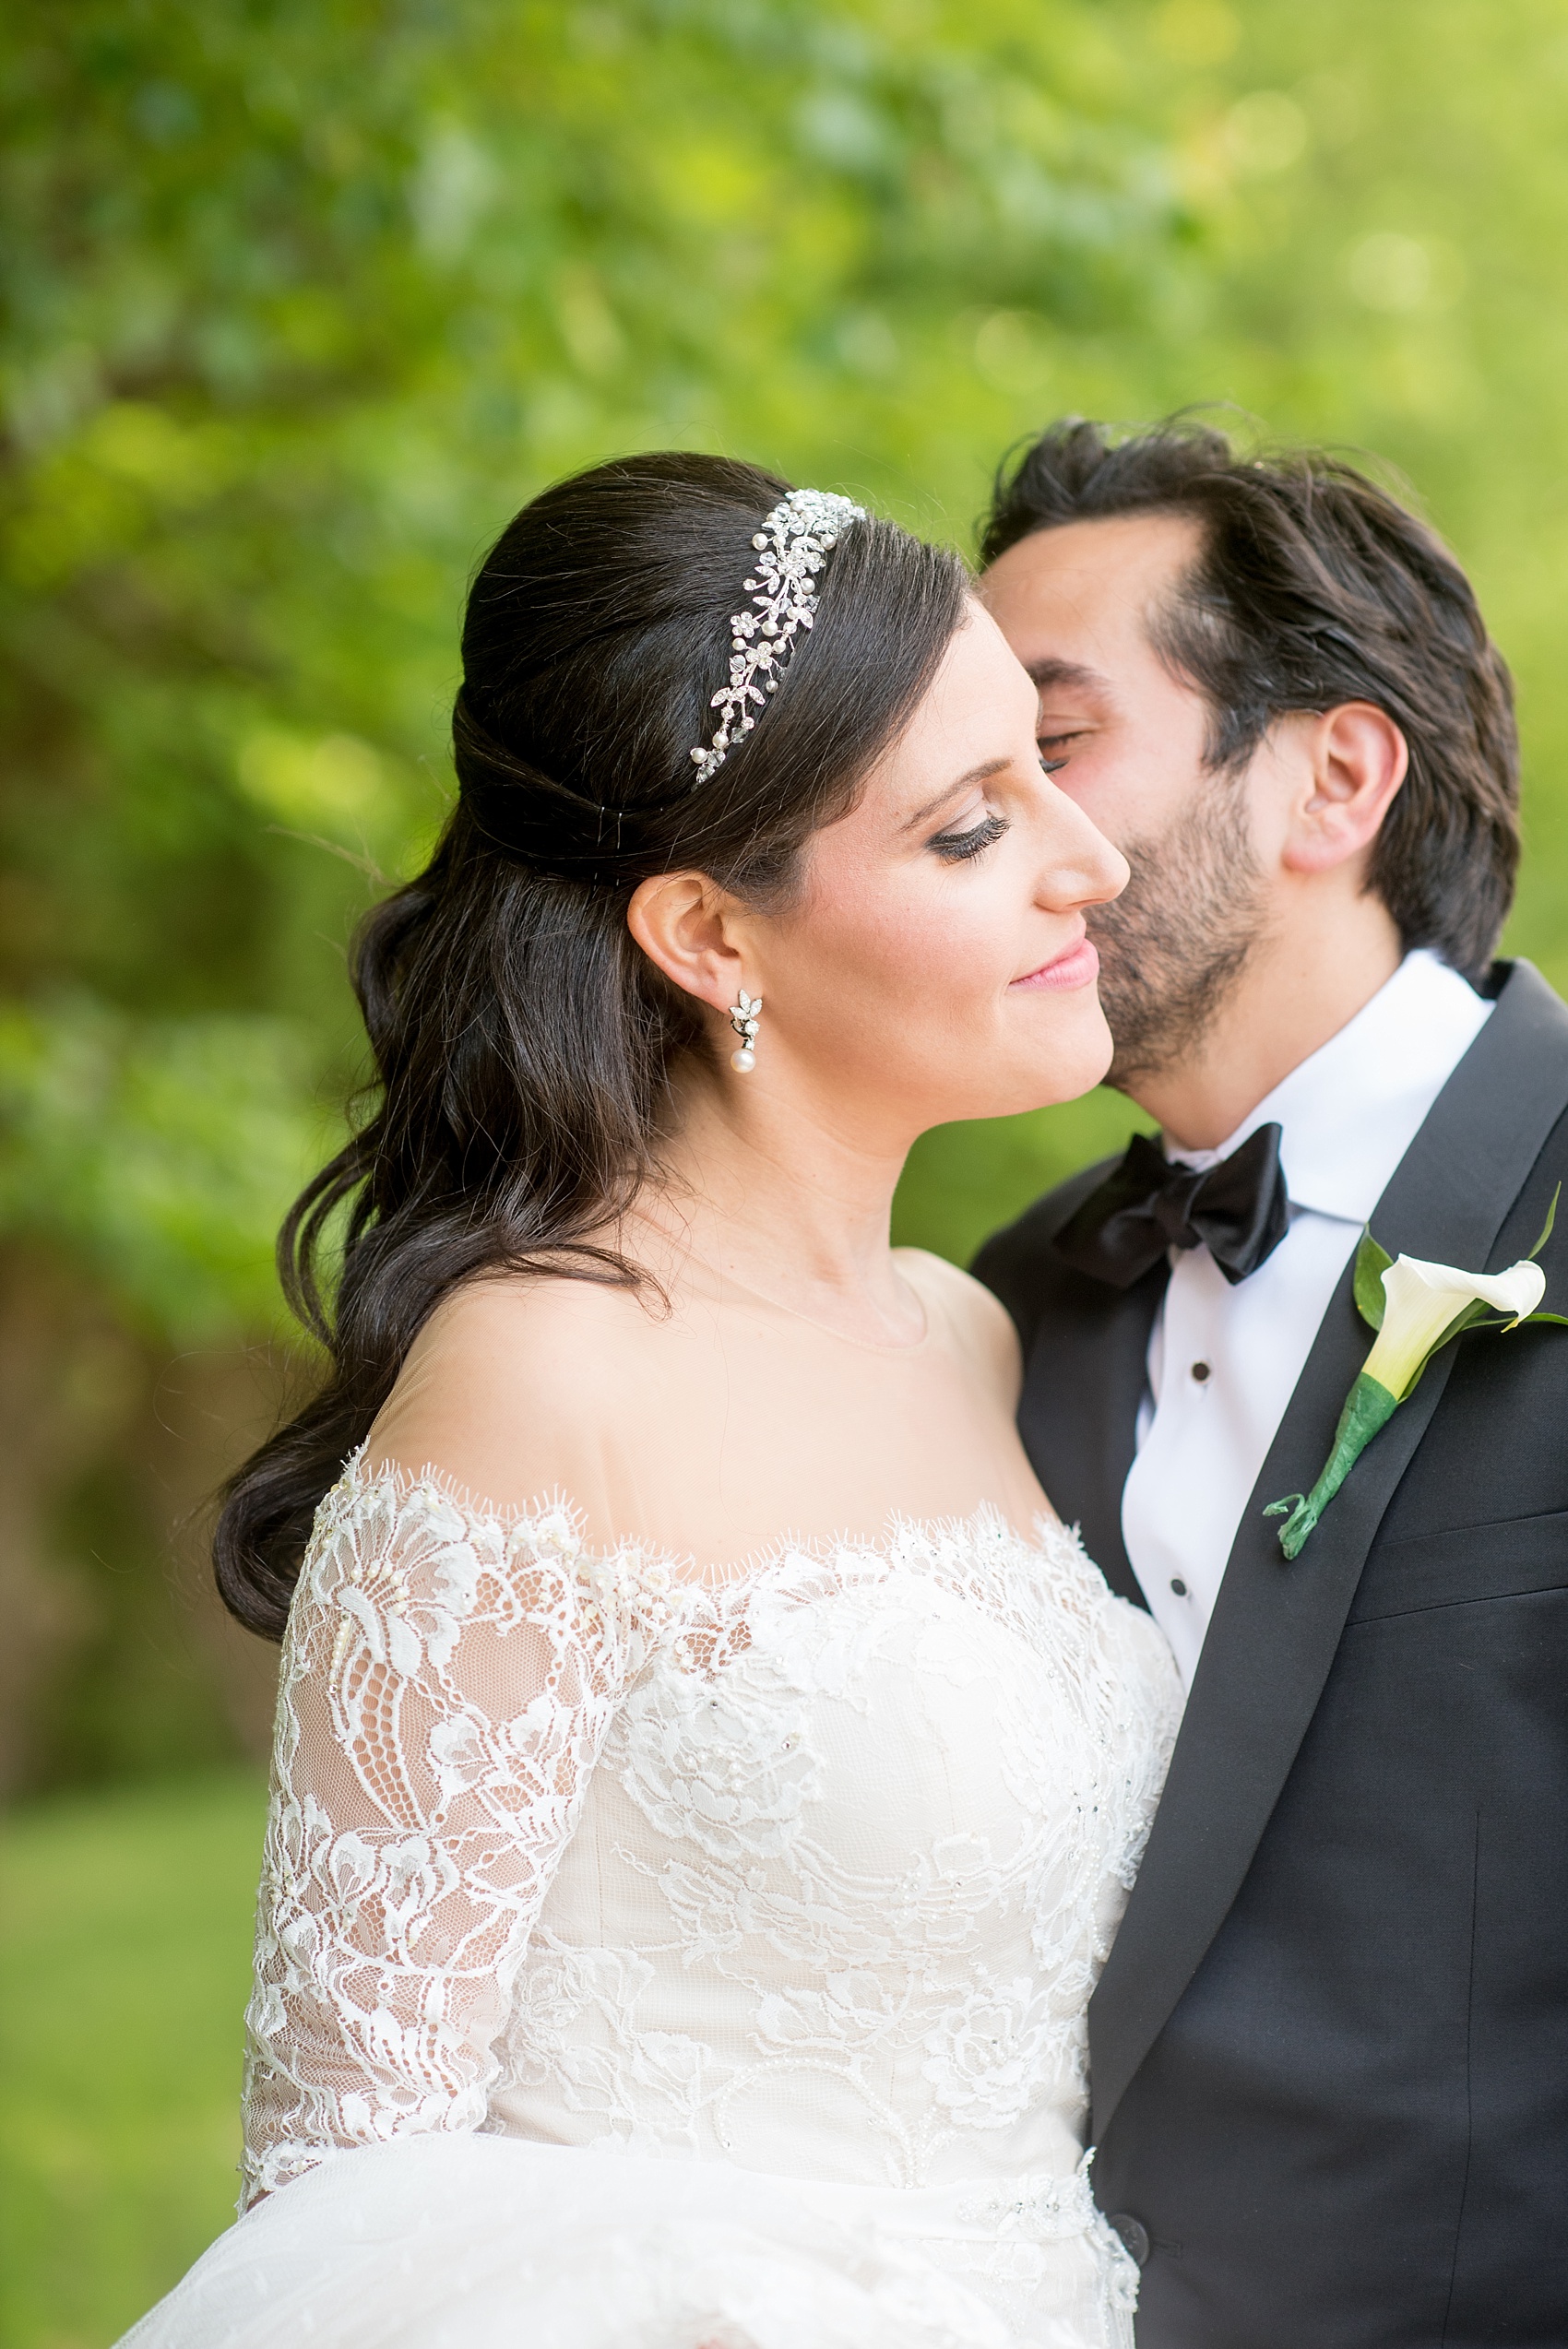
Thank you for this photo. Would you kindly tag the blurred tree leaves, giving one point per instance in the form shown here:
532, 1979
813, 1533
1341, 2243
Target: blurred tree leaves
300, 301
154, 1153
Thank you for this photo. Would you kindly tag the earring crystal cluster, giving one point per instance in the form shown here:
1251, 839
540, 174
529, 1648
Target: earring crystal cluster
744, 1013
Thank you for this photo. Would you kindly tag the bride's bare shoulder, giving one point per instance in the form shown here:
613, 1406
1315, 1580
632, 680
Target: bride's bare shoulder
515, 1385
976, 1323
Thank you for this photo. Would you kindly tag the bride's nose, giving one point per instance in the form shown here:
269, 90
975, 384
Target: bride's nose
1080, 866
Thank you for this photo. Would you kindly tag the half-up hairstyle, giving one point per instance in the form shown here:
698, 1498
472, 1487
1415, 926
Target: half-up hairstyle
522, 1043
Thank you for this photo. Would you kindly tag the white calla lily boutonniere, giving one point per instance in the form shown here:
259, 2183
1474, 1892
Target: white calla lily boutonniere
1416, 1308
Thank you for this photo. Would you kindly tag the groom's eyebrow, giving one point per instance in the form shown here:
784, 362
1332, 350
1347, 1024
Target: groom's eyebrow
1047, 673
959, 783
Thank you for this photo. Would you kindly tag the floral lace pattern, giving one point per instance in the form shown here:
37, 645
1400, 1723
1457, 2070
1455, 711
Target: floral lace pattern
811, 1870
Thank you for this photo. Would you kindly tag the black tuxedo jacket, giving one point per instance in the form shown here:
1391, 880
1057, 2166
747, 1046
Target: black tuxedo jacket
1329, 2052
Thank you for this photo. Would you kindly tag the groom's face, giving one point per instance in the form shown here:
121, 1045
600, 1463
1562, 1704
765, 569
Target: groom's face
1080, 606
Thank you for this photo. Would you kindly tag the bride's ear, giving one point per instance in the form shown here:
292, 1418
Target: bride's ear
691, 928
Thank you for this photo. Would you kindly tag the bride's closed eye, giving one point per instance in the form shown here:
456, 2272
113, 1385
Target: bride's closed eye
1049, 742
956, 847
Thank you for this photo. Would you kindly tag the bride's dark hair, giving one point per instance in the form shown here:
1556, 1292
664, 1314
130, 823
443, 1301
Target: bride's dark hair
522, 1041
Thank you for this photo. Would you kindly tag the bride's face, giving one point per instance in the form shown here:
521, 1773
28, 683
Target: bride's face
935, 964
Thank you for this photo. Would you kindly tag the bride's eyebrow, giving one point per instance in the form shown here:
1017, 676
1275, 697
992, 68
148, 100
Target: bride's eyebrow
961, 783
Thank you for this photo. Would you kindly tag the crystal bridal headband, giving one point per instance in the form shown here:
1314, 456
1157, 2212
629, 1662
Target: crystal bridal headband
792, 546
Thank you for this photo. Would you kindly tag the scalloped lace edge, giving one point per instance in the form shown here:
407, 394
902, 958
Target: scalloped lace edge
548, 1517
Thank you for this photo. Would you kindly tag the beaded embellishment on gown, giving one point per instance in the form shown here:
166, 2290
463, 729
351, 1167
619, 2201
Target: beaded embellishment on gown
687, 1961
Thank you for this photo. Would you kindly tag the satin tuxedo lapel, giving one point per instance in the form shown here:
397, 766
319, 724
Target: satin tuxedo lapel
1086, 1347
1079, 1432
1275, 1627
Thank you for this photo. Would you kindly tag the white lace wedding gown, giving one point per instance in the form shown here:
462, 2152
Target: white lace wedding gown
649, 1963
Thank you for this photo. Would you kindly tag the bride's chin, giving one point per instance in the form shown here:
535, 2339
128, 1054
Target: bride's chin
1073, 1060
1076, 1052
1072, 1064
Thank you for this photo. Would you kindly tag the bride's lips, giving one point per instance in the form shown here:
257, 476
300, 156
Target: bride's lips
1078, 966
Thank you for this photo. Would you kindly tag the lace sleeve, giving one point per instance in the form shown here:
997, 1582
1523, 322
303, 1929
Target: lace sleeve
448, 1683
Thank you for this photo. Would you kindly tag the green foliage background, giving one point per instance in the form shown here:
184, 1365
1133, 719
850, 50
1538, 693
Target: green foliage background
303, 297
299, 299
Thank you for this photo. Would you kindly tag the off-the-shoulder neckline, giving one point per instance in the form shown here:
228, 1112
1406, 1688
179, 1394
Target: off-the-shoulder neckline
556, 1520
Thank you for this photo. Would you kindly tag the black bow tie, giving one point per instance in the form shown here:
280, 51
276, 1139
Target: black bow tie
1237, 1210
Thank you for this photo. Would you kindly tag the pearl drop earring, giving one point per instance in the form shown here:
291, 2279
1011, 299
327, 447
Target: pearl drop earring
743, 1017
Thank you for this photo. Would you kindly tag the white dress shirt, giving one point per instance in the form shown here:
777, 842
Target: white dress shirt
1223, 1361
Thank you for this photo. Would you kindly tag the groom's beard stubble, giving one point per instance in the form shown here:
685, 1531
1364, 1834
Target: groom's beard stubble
1174, 943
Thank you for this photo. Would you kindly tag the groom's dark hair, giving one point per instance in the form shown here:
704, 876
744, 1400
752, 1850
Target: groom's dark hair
1314, 587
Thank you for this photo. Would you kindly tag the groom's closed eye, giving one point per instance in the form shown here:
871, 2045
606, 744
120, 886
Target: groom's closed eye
1092, 700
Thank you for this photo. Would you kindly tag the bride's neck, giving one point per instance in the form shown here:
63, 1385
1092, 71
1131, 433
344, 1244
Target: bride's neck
787, 1196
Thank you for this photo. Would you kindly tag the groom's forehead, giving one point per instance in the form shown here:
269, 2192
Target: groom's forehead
1079, 597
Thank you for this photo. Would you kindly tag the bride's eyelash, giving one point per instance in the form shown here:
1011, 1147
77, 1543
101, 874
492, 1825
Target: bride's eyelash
956, 847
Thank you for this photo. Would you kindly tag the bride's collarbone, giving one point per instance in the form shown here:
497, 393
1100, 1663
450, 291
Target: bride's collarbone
709, 1425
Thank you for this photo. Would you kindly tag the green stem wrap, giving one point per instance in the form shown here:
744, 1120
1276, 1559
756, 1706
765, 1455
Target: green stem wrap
1368, 1406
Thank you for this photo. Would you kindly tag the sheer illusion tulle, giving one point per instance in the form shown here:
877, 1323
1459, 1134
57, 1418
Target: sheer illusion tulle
683, 1955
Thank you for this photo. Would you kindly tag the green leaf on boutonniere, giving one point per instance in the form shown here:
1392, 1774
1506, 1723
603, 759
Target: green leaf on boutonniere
1416, 1309
1546, 1235
1372, 1262
1477, 1320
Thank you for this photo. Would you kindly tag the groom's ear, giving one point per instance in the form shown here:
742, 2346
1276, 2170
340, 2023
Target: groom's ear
1353, 760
